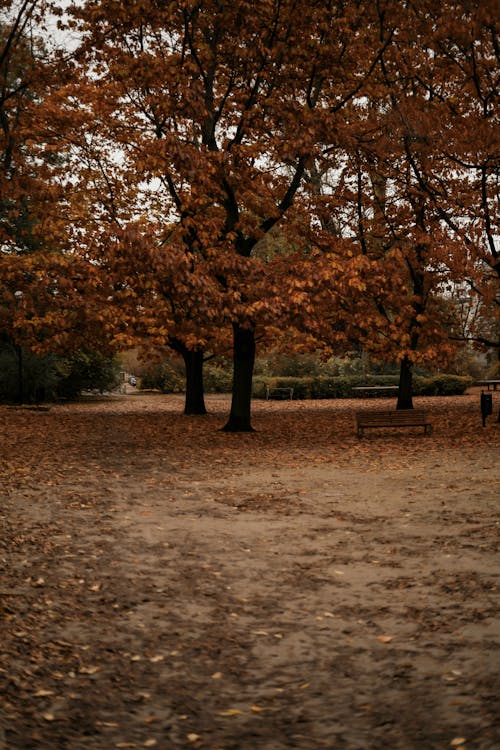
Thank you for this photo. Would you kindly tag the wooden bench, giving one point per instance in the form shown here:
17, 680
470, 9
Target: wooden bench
376, 388
395, 418
279, 393
488, 383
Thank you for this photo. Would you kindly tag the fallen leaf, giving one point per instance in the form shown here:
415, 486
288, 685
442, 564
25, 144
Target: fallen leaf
256, 709
217, 676
384, 638
48, 717
42, 693
192, 737
458, 741
150, 743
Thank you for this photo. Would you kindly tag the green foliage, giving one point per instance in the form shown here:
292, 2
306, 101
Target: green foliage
442, 385
167, 376
343, 387
305, 373
494, 371
87, 371
293, 365
49, 377
39, 377
217, 378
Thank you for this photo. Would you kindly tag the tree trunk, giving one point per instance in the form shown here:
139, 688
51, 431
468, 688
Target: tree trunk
243, 364
195, 394
405, 392
20, 375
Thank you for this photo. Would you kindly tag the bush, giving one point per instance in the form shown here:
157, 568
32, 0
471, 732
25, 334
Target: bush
87, 371
167, 376
343, 387
51, 377
451, 385
295, 365
217, 378
40, 377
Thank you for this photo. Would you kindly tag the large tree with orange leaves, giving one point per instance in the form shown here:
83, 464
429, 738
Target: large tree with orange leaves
195, 133
215, 110
411, 215
51, 299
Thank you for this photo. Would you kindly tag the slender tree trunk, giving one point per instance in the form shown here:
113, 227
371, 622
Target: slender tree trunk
20, 375
243, 364
195, 394
405, 392
498, 371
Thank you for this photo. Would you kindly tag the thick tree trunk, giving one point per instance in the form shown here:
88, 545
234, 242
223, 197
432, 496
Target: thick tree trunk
405, 392
243, 364
195, 395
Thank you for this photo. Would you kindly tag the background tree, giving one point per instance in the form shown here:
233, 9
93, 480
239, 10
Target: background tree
50, 299
19, 184
462, 184
394, 231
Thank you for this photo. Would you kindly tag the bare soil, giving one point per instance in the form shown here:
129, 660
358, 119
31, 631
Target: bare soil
168, 585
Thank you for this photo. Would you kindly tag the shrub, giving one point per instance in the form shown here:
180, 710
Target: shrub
343, 387
217, 378
51, 377
293, 365
166, 376
424, 386
87, 371
451, 385
40, 377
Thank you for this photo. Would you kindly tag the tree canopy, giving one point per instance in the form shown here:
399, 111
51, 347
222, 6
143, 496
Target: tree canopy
213, 170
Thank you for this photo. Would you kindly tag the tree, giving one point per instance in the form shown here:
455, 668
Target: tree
216, 108
464, 79
397, 226
157, 291
50, 300
451, 151
19, 83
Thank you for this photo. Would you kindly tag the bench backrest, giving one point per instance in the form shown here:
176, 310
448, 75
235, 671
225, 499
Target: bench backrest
397, 415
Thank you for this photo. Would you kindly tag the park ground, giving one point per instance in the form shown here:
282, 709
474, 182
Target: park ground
168, 585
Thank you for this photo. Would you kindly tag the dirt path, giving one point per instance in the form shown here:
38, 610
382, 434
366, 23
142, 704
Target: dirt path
167, 585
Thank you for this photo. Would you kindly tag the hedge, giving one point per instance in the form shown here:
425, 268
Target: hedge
342, 387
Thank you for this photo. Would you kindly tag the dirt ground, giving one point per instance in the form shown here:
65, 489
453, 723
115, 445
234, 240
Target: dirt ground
168, 585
